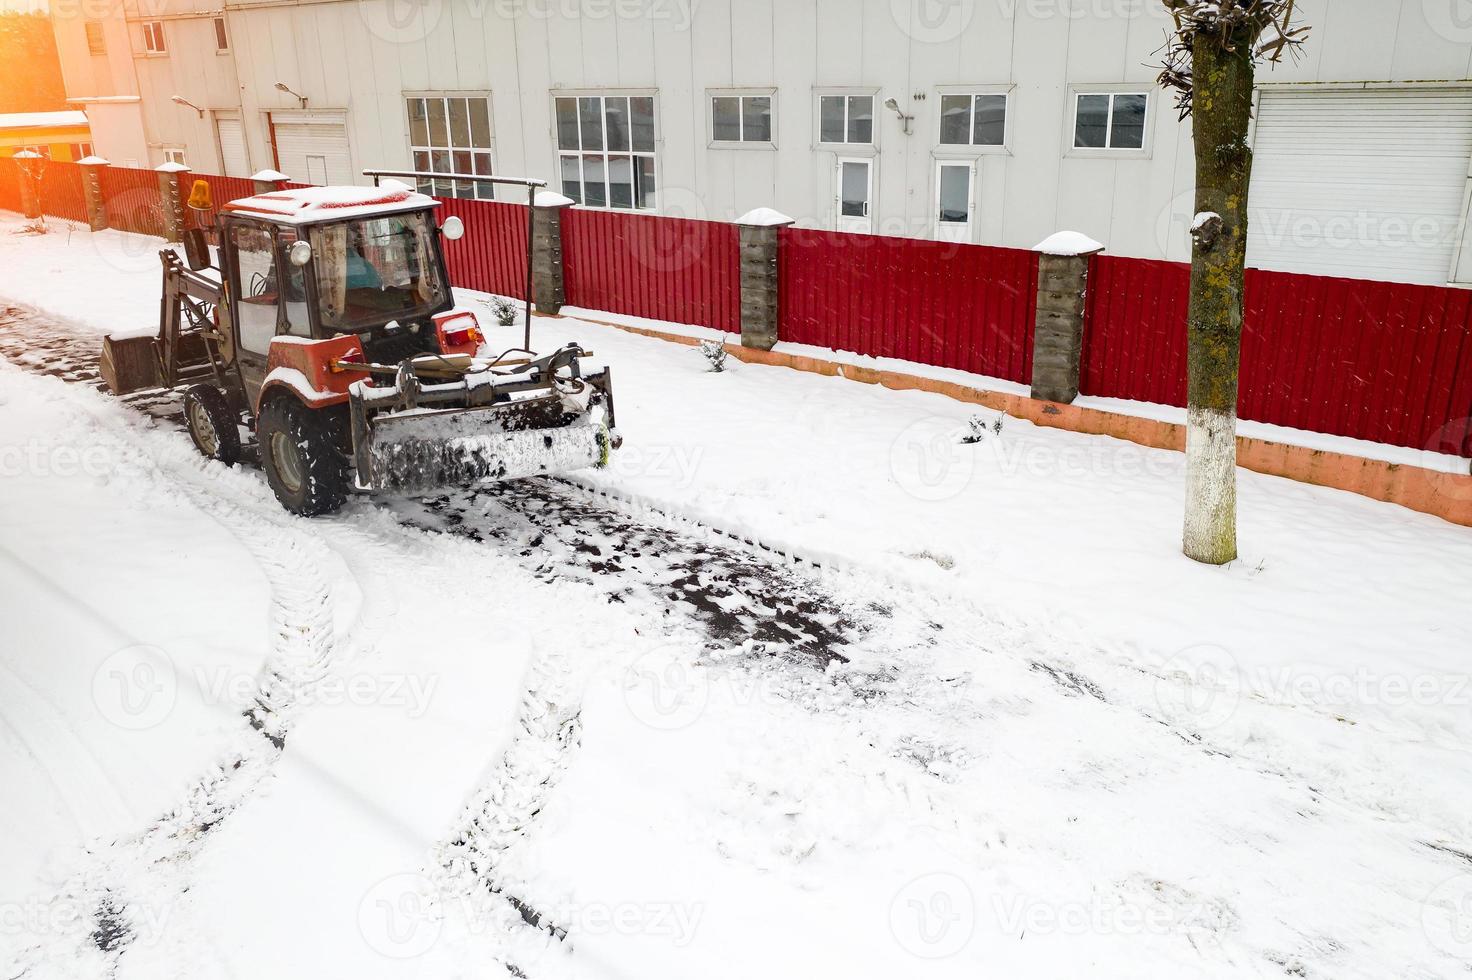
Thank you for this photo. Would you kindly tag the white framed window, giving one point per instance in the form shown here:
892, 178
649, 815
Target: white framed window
1110, 120
970, 119
174, 154
451, 133
605, 150
81, 151
741, 118
153, 37
96, 40
846, 119
222, 37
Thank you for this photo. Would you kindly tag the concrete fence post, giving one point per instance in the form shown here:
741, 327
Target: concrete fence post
29, 166
1058, 332
759, 231
170, 200
267, 181
549, 290
92, 191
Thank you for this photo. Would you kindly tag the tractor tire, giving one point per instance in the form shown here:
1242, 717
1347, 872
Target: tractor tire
213, 427
302, 455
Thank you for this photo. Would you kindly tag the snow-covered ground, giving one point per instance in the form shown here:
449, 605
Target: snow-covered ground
1054, 747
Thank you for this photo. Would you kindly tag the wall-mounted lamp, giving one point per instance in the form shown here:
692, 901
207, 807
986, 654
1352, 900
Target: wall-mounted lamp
894, 107
180, 100
281, 87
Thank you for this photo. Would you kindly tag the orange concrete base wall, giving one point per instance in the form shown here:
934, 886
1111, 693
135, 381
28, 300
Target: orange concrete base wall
1445, 495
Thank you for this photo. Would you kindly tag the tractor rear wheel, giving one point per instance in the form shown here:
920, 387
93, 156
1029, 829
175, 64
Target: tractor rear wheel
300, 450
213, 427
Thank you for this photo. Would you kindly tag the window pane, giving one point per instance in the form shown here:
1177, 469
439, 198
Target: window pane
855, 192
438, 130
620, 182
222, 41
756, 115
642, 110
617, 114
1092, 121
955, 193
459, 123
421, 165
590, 112
462, 162
1129, 122
991, 120
418, 123
955, 120
644, 182
830, 111
483, 164
567, 124
725, 119
572, 185
594, 193
480, 124
861, 119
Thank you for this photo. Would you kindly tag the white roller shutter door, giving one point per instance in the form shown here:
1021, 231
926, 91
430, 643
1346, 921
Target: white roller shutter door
232, 148
1366, 183
312, 147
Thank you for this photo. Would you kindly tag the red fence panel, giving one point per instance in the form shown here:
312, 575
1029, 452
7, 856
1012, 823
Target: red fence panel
132, 200
1135, 330
491, 256
969, 307
9, 185
61, 191
1388, 362
674, 269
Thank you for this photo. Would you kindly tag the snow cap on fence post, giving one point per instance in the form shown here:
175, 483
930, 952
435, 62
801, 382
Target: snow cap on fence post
30, 165
548, 288
170, 200
759, 231
266, 181
92, 191
1058, 332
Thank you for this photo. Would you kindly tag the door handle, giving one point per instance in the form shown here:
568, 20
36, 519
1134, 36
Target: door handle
866, 209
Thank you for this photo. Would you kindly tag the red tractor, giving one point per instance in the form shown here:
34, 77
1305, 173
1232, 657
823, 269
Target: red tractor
327, 331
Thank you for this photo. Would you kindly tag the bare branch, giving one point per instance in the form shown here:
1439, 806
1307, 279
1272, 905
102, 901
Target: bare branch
1264, 27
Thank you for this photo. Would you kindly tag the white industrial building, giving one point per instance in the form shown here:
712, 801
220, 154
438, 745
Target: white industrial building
987, 121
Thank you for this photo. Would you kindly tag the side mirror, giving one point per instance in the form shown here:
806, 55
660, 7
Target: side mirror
300, 253
196, 249
453, 228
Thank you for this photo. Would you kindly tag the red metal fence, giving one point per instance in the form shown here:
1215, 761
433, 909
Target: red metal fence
672, 269
132, 200
969, 307
9, 185
491, 256
1387, 362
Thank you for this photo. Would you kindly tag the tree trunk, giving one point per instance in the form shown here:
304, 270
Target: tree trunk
1222, 109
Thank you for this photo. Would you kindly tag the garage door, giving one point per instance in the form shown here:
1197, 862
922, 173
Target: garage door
312, 147
232, 148
1367, 184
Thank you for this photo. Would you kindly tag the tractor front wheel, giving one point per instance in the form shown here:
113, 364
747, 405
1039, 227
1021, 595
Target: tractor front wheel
300, 451
213, 427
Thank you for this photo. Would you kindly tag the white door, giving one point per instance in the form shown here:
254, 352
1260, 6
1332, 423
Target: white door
855, 188
312, 147
955, 185
233, 156
1365, 184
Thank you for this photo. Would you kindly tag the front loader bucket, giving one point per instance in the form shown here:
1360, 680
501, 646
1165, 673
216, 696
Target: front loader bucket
422, 451
130, 364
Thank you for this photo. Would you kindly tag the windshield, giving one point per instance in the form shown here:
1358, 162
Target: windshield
375, 270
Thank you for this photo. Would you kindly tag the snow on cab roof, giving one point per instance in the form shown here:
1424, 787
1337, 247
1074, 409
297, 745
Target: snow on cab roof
303, 205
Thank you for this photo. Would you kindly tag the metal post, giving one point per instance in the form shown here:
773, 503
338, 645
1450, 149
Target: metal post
531, 205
